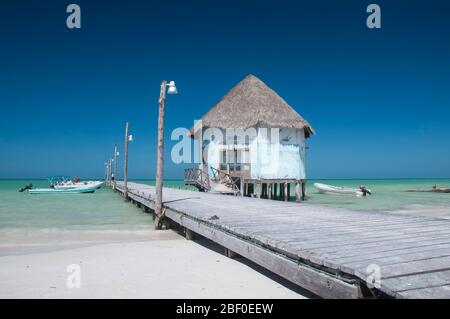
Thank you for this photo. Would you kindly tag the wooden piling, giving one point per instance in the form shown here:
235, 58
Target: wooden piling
115, 166
110, 172
160, 157
125, 162
258, 190
303, 190
189, 234
230, 254
298, 195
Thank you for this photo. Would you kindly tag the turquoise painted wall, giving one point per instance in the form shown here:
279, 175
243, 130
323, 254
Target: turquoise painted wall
284, 158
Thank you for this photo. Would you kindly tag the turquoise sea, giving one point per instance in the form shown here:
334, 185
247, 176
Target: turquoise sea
105, 210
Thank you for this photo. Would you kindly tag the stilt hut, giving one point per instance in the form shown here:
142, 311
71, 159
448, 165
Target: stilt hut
252, 143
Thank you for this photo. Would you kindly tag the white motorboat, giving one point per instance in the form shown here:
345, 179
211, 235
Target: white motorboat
65, 182
76, 190
64, 185
73, 185
330, 189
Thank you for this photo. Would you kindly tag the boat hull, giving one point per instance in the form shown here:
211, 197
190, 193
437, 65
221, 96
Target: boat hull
335, 190
84, 190
96, 184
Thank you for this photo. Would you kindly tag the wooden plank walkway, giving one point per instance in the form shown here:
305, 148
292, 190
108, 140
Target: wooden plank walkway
332, 252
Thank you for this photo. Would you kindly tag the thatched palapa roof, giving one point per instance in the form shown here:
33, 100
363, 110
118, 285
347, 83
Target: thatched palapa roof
251, 102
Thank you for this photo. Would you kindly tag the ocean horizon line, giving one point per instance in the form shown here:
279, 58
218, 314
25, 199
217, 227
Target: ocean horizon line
180, 179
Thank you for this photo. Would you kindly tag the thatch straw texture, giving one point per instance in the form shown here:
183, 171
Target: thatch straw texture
251, 102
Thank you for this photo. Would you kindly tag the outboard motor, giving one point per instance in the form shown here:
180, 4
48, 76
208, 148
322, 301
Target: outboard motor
29, 186
364, 190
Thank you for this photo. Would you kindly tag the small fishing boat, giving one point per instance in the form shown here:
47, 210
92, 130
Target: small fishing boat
64, 182
330, 189
72, 184
434, 189
77, 190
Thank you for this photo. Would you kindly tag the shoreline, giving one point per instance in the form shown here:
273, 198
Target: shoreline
41, 236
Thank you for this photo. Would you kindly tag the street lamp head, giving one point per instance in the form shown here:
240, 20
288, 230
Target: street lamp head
130, 138
172, 89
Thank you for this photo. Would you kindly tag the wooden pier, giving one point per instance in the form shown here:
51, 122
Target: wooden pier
332, 252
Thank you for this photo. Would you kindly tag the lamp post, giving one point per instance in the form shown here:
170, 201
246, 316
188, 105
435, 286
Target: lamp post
116, 154
106, 171
109, 171
128, 138
171, 89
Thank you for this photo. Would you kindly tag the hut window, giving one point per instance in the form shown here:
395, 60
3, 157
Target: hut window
231, 159
223, 162
224, 157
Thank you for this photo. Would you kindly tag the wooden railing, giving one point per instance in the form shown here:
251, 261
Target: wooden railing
200, 179
197, 177
225, 178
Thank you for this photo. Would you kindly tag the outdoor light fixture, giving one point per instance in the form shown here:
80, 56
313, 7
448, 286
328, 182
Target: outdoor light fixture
172, 89
128, 138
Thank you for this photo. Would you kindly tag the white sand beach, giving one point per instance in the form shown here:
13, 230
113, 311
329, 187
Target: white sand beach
154, 264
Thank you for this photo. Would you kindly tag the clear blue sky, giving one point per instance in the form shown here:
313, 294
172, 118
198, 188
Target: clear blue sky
379, 99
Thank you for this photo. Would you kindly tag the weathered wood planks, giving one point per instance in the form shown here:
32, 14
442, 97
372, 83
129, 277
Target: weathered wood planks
323, 249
